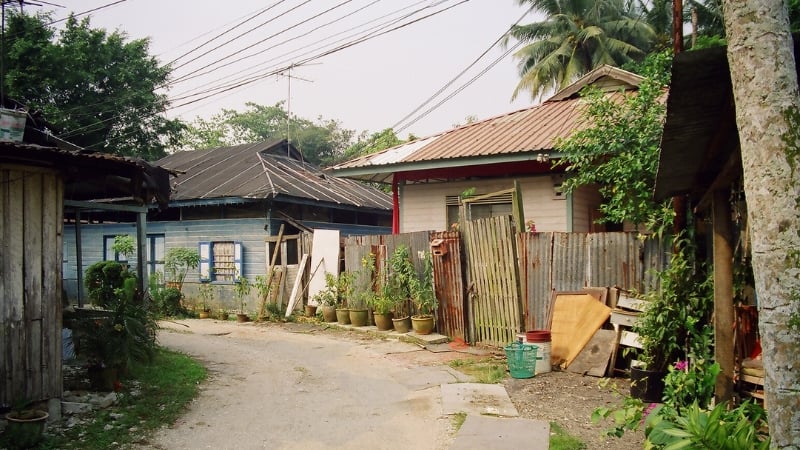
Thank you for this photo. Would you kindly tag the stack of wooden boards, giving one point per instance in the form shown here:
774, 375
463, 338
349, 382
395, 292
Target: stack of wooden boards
587, 332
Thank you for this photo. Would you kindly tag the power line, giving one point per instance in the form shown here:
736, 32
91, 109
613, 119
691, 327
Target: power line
261, 76
207, 71
460, 88
243, 34
260, 12
255, 77
453, 80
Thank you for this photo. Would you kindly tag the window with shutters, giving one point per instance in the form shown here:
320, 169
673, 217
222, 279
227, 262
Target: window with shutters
220, 261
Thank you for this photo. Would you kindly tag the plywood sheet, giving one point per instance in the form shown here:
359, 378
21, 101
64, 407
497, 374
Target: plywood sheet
324, 258
576, 316
593, 359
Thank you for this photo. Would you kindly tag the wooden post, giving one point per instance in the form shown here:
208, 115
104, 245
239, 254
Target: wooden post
271, 269
141, 251
79, 256
723, 296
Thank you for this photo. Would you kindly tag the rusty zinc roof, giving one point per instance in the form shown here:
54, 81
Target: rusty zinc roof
264, 170
94, 175
515, 136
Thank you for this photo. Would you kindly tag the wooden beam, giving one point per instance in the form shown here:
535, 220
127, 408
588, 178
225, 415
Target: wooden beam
296, 287
723, 296
271, 269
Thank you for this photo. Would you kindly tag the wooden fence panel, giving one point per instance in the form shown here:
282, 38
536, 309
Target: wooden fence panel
493, 277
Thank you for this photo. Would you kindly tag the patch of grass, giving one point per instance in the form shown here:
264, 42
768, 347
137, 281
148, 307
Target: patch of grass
458, 420
164, 387
485, 370
560, 439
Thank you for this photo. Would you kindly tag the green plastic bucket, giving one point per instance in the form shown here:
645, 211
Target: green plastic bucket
521, 359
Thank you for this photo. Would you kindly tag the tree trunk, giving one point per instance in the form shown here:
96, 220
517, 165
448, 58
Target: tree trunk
760, 54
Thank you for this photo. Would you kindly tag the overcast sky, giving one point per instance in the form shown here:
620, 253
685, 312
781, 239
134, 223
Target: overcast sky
368, 86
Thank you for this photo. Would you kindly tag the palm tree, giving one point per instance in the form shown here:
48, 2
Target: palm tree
576, 37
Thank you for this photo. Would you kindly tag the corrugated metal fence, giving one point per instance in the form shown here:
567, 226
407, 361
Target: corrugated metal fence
509, 278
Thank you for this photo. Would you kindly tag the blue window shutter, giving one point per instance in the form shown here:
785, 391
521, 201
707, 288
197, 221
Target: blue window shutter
237, 259
205, 261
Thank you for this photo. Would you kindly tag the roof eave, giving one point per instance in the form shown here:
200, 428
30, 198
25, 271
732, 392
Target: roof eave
383, 173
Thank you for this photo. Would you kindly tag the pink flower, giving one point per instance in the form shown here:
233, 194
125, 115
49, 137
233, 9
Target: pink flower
647, 410
682, 365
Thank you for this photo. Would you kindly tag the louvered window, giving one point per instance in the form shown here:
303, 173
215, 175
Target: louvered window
220, 261
493, 206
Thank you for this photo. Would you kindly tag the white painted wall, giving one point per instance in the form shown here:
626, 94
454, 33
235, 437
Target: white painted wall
422, 206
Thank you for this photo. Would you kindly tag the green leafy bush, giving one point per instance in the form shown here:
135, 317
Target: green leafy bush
102, 279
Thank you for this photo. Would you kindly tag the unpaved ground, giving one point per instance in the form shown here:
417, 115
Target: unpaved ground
566, 398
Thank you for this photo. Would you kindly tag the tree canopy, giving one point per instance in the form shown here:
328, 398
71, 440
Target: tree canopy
321, 142
619, 150
96, 89
576, 37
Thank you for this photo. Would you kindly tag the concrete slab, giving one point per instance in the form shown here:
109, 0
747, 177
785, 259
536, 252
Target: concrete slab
424, 339
482, 432
420, 378
477, 398
392, 346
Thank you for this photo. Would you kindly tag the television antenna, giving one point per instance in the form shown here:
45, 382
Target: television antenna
288, 74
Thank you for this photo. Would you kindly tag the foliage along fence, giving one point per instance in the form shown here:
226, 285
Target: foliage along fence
504, 282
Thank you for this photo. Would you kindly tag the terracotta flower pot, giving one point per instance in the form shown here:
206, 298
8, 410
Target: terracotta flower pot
343, 316
311, 310
24, 429
383, 321
328, 313
359, 317
402, 324
422, 324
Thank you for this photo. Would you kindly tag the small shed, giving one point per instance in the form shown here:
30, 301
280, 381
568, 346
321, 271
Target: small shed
36, 181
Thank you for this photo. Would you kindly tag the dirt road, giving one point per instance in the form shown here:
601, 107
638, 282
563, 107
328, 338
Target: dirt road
290, 388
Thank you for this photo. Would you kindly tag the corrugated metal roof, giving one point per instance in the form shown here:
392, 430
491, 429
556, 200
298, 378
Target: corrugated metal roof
518, 135
263, 170
94, 175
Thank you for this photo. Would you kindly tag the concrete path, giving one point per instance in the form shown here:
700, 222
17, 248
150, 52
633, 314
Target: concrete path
293, 388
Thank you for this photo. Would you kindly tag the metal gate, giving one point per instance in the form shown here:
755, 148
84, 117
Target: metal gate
448, 276
493, 279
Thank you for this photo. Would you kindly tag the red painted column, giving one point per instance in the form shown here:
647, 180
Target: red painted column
395, 206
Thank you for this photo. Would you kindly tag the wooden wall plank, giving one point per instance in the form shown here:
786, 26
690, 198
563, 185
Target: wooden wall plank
32, 281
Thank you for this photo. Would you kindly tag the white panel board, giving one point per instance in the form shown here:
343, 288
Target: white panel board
324, 259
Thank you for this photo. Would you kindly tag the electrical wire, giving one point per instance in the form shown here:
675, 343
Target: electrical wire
197, 74
273, 72
453, 80
258, 13
460, 88
243, 34
374, 32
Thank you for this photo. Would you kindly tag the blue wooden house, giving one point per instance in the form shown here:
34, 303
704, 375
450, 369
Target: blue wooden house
230, 203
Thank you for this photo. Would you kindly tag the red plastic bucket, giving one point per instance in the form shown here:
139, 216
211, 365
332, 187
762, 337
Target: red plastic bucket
542, 340
537, 336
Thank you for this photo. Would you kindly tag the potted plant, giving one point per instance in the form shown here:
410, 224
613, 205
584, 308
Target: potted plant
674, 318
399, 277
344, 294
177, 263
25, 425
112, 338
241, 288
206, 292
424, 297
328, 299
382, 296
102, 279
